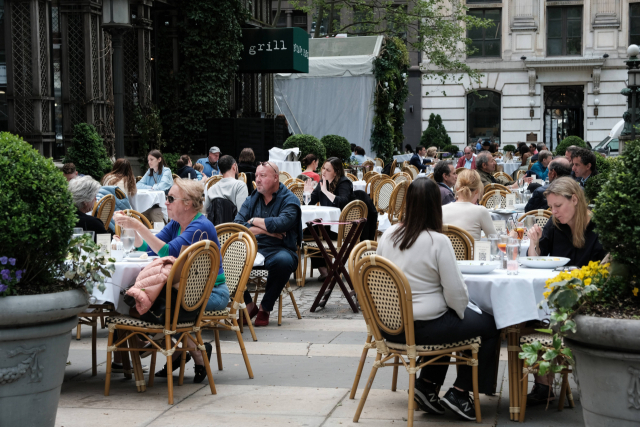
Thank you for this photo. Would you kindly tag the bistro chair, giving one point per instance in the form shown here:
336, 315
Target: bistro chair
520, 174
90, 318
530, 163
379, 162
254, 185
199, 265
297, 188
284, 176
368, 165
411, 170
405, 164
397, 202
461, 241
496, 199
542, 216
351, 177
213, 181
367, 176
238, 255
373, 183
394, 165
430, 176
290, 181
460, 170
387, 305
103, 210
138, 178
523, 368
382, 194
242, 177
491, 187
402, 177
136, 215
503, 178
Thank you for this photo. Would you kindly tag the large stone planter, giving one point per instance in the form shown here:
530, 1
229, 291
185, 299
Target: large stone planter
607, 355
34, 345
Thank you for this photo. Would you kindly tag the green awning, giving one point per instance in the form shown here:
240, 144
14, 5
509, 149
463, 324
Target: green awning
282, 50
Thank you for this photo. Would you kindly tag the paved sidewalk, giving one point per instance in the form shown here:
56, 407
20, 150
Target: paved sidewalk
303, 374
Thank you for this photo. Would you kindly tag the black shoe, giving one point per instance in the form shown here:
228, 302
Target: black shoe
540, 395
176, 364
461, 403
201, 372
426, 396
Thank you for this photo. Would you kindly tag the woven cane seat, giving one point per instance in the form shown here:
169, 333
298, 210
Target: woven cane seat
218, 313
315, 245
132, 321
545, 339
258, 273
436, 347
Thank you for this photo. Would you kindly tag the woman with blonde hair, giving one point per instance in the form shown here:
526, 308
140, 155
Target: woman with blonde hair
465, 212
570, 233
432, 152
121, 176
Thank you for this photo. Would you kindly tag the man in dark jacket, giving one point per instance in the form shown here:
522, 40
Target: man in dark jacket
418, 160
272, 213
446, 177
558, 168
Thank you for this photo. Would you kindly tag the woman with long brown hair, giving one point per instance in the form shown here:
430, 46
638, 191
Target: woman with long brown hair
335, 189
121, 175
158, 176
440, 298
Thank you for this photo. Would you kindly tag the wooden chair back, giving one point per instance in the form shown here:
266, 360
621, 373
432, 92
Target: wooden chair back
405, 164
254, 185
284, 176
382, 194
104, 209
496, 199
351, 177
367, 176
411, 170
238, 255
491, 187
402, 177
359, 251
542, 216
136, 215
520, 174
228, 229
213, 181
368, 165
356, 209
242, 177
297, 188
394, 165
461, 241
120, 195
502, 177
398, 202
379, 162
530, 163
290, 181
430, 176
373, 182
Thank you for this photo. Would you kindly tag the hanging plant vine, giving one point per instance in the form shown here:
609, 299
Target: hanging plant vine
390, 69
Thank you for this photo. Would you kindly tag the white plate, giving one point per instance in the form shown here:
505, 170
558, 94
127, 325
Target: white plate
151, 258
543, 261
477, 267
135, 254
520, 206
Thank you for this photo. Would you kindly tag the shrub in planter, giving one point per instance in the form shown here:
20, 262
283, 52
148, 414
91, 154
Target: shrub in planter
336, 146
87, 152
453, 149
568, 142
308, 144
509, 148
435, 135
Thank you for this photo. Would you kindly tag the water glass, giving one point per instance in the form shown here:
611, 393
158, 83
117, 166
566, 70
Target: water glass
495, 252
78, 230
502, 246
128, 238
520, 229
360, 175
306, 198
513, 254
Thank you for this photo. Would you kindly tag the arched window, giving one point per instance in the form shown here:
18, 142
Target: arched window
483, 116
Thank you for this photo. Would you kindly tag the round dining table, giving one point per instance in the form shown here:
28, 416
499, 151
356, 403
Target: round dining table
326, 213
146, 199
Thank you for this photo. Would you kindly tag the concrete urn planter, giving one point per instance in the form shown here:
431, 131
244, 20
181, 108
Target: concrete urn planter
34, 345
607, 370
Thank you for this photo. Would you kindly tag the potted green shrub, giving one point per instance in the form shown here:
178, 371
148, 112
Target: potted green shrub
509, 148
308, 144
337, 146
87, 152
45, 280
596, 309
568, 142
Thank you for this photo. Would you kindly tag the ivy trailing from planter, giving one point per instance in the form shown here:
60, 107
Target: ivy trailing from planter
390, 69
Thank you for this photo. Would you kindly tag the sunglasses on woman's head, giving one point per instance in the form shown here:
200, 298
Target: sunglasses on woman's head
172, 199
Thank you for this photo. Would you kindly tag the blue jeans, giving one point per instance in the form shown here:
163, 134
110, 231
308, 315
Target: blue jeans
219, 298
280, 263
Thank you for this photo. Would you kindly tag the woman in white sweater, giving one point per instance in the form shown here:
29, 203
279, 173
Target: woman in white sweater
425, 255
465, 212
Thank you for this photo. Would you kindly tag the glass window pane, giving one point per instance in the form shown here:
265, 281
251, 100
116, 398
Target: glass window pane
554, 31
574, 12
492, 48
554, 47
493, 14
614, 145
574, 29
475, 33
477, 45
554, 13
574, 46
483, 115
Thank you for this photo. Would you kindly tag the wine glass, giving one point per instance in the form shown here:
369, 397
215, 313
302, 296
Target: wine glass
306, 198
360, 175
128, 239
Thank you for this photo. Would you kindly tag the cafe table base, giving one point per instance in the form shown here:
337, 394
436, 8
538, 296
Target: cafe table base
335, 262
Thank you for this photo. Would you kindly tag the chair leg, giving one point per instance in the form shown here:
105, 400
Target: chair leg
280, 310
216, 334
167, 346
523, 393
367, 387
152, 369
253, 332
183, 361
78, 333
363, 358
207, 366
394, 380
412, 390
476, 395
107, 380
94, 338
293, 301
243, 350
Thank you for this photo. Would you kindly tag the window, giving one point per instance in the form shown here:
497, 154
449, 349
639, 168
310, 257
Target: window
634, 24
564, 31
300, 20
483, 116
486, 41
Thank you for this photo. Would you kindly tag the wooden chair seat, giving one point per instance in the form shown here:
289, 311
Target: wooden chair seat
125, 320
436, 347
218, 313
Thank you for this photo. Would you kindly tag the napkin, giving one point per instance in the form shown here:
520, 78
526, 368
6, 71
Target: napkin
286, 155
474, 307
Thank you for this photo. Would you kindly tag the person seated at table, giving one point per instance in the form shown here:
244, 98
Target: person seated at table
408, 149
584, 165
360, 155
468, 160
571, 232
246, 161
84, 190
431, 156
69, 171
187, 226
310, 163
273, 215
199, 168
185, 168
540, 168
210, 163
445, 175
533, 149
465, 212
229, 188
440, 298
158, 177
486, 167
418, 159
121, 176
525, 154
539, 146
486, 145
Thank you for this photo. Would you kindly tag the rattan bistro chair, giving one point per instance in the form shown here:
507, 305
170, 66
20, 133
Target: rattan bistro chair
351, 177
382, 194
213, 180
238, 254
103, 210
198, 268
461, 241
491, 187
368, 165
397, 202
402, 176
387, 305
367, 176
297, 188
379, 162
496, 199
542, 216
394, 165
284, 176
411, 170
242, 177
135, 215
503, 178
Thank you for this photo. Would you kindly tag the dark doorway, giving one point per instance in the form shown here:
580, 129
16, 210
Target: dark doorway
563, 113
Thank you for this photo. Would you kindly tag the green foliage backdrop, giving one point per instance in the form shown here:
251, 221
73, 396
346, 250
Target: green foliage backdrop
435, 135
336, 146
87, 152
568, 142
308, 144
390, 70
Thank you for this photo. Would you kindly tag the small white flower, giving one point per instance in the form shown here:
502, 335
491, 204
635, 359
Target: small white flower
70, 275
386, 84
391, 105
404, 75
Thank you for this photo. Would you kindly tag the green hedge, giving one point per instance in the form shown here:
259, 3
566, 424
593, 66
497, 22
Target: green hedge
38, 214
308, 144
604, 165
336, 146
87, 152
435, 135
510, 148
567, 142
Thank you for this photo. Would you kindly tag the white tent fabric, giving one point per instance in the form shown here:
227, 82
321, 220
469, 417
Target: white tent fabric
336, 96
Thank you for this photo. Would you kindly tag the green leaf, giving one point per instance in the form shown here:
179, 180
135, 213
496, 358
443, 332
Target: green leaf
567, 298
543, 368
545, 331
550, 354
557, 342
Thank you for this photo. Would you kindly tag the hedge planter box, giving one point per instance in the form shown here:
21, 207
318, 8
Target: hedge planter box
607, 369
34, 345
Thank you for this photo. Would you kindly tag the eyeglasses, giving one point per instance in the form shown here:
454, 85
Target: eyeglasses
172, 199
269, 164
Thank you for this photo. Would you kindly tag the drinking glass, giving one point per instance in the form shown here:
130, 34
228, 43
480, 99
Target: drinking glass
512, 254
360, 175
306, 198
502, 246
495, 252
128, 238
520, 229
78, 230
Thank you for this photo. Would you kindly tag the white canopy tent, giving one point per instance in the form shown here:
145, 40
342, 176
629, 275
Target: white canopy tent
336, 96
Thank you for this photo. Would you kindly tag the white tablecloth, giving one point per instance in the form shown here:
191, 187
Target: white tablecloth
510, 299
292, 168
328, 214
145, 199
403, 157
510, 168
360, 185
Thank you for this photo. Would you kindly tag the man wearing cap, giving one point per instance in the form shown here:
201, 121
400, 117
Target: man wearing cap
210, 163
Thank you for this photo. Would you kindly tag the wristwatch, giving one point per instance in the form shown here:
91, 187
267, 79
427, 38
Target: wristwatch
251, 222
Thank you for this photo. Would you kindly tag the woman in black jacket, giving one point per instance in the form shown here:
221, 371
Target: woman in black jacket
335, 190
185, 171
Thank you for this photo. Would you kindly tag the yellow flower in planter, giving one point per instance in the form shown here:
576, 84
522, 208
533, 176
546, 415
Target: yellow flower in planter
635, 292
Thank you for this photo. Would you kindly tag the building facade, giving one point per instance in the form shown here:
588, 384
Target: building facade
551, 69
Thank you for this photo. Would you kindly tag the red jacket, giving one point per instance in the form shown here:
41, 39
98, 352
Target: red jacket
462, 160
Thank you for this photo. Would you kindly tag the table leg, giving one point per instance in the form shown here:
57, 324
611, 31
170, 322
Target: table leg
513, 345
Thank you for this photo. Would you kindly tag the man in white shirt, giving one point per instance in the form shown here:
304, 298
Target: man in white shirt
229, 187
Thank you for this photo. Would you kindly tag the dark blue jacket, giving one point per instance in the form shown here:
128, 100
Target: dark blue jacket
417, 162
281, 215
537, 200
